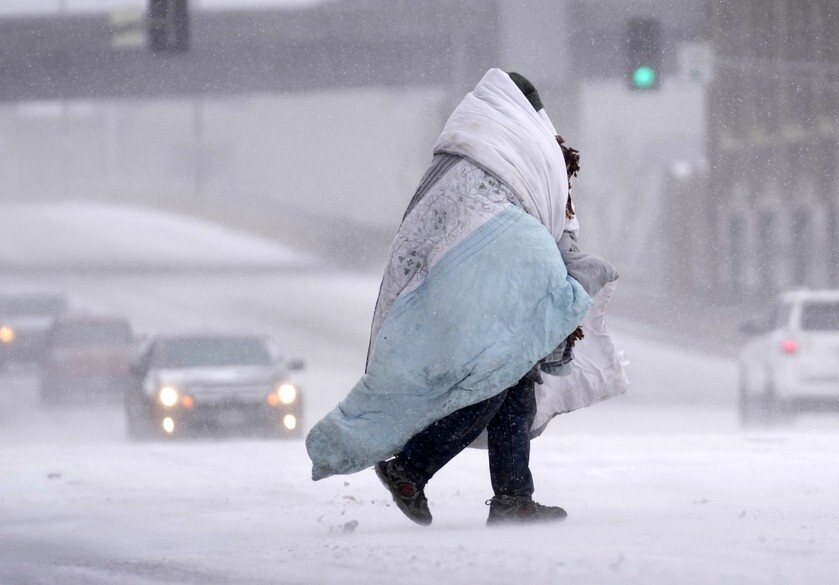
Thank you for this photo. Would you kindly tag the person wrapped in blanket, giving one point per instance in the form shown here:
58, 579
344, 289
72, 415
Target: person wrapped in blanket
475, 304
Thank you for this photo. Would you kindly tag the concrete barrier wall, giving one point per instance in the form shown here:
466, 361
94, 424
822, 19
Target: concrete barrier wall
356, 154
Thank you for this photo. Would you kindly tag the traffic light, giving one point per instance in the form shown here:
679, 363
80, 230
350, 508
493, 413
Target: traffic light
168, 26
643, 53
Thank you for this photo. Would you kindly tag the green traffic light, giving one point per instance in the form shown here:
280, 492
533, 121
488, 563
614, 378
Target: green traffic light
644, 77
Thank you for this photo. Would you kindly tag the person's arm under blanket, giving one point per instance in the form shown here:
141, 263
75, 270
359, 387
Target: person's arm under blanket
593, 273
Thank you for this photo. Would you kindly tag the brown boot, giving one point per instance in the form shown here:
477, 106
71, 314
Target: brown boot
521, 510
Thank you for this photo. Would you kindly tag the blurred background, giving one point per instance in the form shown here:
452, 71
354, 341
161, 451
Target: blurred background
708, 128
708, 133
176, 170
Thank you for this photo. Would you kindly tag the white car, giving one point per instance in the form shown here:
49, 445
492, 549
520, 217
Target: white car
790, 363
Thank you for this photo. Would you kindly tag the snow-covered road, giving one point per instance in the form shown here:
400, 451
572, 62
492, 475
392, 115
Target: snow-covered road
661, 485
645, 507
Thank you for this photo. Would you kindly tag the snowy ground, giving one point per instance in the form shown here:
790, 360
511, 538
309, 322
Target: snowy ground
661, 485
652, 498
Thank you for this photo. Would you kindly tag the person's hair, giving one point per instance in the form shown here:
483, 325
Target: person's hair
572, 167
572, 157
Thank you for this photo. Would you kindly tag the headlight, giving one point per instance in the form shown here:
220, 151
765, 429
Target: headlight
7, 334
290, 422
287, 393
168, 396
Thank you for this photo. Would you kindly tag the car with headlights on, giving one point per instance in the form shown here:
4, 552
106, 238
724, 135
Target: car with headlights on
25, 319
790, 362
212, 384
86, 359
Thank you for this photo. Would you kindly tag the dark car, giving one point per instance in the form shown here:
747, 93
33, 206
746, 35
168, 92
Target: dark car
24, 321
86, 359
212, 385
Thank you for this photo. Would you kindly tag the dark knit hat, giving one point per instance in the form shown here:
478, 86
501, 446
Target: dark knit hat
527, 89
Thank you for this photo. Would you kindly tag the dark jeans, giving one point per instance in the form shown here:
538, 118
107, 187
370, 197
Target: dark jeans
506, 416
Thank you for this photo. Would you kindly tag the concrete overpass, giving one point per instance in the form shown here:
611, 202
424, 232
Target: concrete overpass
355, 44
